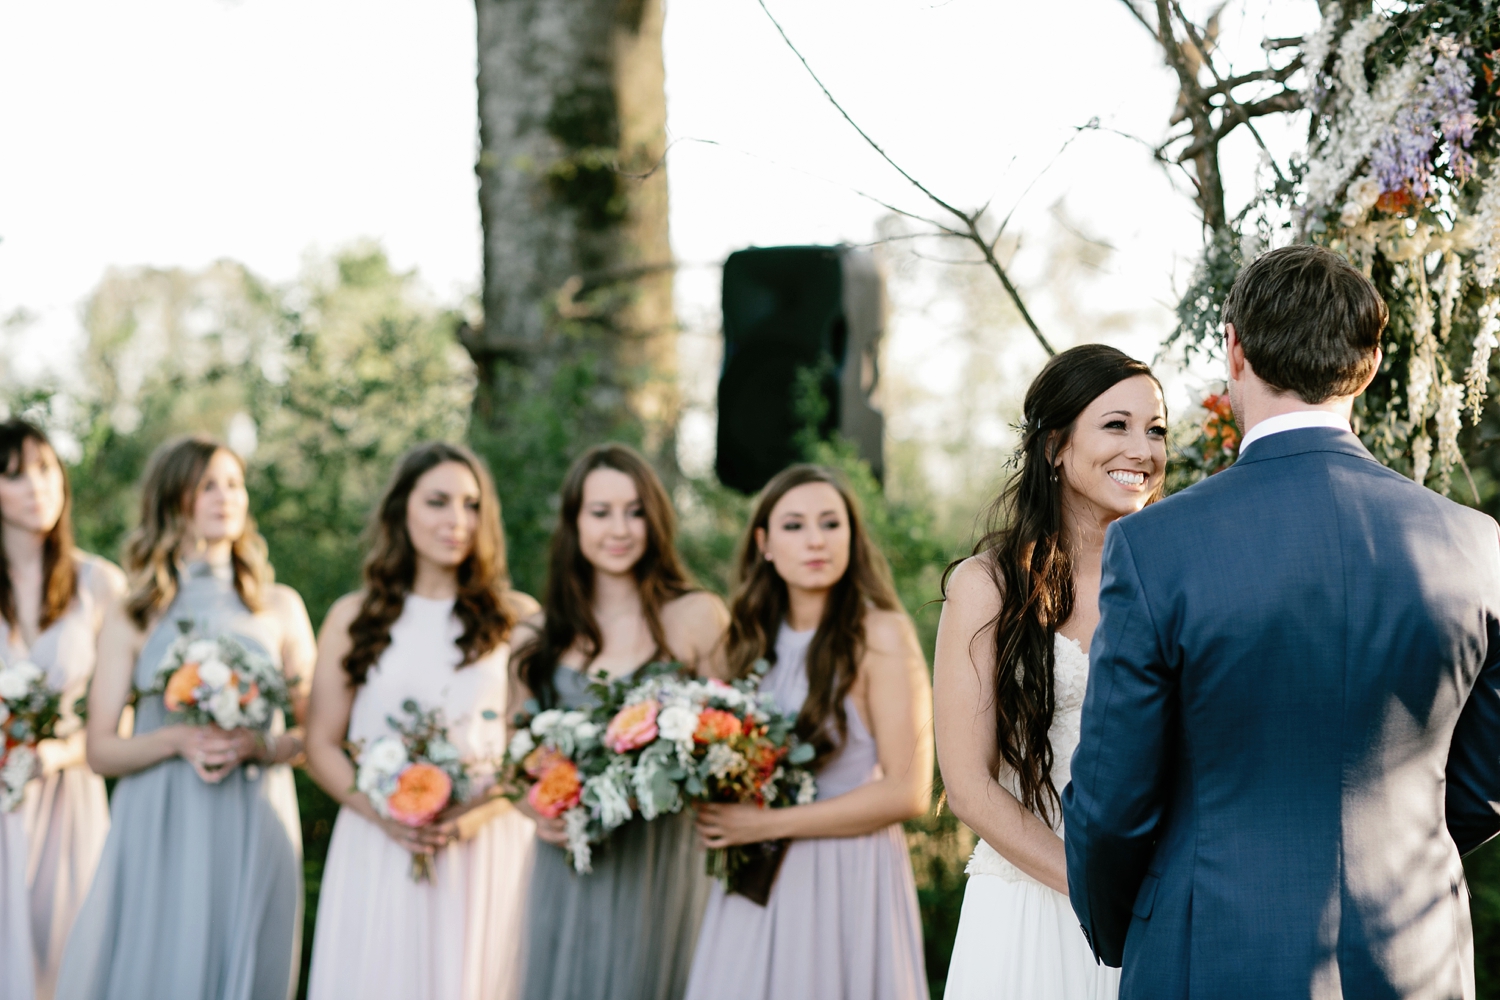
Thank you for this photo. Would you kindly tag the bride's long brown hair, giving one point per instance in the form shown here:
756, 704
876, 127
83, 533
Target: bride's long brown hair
1031, 566
568, 607
761, 601
483, 605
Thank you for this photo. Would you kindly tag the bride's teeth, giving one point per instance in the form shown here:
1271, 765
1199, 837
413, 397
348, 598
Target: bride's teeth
1129, 478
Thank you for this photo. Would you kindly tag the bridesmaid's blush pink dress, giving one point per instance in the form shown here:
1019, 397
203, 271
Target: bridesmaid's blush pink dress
842, 921
379, 934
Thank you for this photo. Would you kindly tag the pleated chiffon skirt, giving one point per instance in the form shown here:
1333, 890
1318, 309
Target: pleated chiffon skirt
67, 819
382, 936
842, 924
1021, 939
198, 895
626, 930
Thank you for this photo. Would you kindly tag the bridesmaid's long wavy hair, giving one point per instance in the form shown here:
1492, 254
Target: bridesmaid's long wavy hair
1031, 566
482, 605
59, 574
568, 605
173, 476
761, 601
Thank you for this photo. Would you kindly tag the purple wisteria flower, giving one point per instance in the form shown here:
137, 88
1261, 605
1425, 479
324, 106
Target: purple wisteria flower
1402, 157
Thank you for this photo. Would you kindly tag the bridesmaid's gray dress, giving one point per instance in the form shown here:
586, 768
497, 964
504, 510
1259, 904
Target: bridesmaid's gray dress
625, 931
198, 895
842, 921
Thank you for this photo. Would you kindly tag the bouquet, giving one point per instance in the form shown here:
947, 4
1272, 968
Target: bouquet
558, 762
692, 740
414, 774
219, 682
28, 715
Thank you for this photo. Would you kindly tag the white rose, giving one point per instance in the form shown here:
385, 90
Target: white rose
1365, 191
1352, 214
258, 711
586, 730
545, 721
201, 651
386, 755
521, 744
213, 672
13, 683
677, 723
573, 720
224, 706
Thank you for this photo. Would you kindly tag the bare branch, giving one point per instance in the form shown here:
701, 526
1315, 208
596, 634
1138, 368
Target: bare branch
970, 222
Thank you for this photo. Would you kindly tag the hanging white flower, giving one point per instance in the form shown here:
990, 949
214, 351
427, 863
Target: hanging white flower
1421, 457
1477, 377
1449, 421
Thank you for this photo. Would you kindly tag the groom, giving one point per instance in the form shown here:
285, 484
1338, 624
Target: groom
1292, 726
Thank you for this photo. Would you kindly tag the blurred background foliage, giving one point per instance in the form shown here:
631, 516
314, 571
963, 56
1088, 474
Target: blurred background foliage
322, 384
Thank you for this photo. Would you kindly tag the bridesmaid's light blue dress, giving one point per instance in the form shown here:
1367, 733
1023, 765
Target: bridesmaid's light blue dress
198, 895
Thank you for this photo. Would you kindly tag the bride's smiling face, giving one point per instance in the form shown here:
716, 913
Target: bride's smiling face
1116, 457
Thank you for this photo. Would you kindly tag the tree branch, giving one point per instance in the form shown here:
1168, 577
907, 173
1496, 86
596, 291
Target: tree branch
970, 222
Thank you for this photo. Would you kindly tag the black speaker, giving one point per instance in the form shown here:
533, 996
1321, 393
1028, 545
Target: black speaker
790, 310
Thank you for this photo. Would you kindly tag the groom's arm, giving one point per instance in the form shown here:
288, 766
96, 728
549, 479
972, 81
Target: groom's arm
1114, 804
1473, 798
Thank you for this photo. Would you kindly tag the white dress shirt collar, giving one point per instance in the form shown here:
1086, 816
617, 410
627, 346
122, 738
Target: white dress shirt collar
1295, 421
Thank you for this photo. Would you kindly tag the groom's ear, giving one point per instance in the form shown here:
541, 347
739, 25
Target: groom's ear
1374, 370
1234, 352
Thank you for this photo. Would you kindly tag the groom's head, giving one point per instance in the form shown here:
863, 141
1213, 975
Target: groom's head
1307, 323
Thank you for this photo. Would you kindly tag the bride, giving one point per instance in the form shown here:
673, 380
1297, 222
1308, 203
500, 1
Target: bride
1012, 665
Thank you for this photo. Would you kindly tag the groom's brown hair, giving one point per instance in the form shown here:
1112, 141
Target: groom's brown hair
1309, 321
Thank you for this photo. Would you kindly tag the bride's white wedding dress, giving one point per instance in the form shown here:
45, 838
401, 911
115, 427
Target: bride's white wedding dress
1016, 937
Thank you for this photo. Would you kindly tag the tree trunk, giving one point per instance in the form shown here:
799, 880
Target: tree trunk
578, 339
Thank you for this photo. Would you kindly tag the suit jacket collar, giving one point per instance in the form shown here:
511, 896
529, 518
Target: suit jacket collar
1302, 441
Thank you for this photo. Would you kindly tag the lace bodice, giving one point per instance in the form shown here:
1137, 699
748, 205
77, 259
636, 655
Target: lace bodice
1070, 680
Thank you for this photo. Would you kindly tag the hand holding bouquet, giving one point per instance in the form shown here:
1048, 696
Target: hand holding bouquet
28, 715
692, 740
556, 760
412, 775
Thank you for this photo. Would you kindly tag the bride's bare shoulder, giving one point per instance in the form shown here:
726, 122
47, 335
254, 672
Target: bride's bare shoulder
973, 583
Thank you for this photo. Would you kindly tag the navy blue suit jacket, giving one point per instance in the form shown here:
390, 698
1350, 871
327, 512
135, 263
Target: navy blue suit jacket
1291, 733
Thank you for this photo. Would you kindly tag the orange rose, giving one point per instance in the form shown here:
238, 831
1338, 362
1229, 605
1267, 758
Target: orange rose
180, 687
421, 792
716, 725
250, 695
557, 791
541, 760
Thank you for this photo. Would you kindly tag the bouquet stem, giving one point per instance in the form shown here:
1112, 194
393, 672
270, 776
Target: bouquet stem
421, 867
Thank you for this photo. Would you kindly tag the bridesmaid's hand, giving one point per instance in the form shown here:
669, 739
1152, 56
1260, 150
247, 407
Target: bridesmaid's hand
215, 752
549, 830
427, 839
731, 824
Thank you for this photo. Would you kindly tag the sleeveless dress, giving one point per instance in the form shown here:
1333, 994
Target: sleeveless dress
198, 894
52, 842
625, 931
842, 920
1016, 936
379, 934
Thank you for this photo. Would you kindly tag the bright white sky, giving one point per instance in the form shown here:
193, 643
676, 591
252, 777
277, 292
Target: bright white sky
176, 132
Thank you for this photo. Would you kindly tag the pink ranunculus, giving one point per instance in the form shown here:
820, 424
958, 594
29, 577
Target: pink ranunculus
632, 727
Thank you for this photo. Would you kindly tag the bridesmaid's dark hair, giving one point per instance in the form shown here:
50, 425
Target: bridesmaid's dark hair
59, 574
761, 601
483, 604
568, 606
1023, 551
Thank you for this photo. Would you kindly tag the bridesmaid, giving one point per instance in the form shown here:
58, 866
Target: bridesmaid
430, 625
617, 598
815, 598
52, 603
199, 891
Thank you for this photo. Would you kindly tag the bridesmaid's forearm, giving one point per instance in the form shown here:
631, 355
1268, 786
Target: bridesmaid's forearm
114, 756
862, 811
